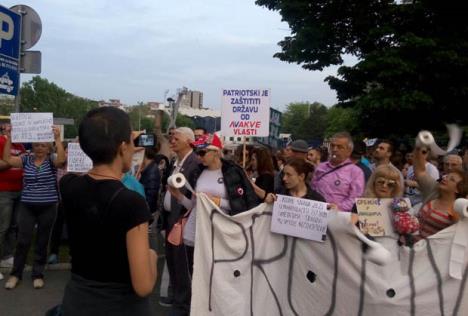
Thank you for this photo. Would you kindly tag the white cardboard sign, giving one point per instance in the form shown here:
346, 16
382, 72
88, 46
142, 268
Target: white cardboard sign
31, 127
245, 112
301, 218
77, 160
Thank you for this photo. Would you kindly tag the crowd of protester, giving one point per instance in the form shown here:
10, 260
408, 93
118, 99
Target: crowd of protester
107, 212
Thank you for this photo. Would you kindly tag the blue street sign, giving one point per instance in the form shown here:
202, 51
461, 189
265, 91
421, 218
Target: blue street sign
9, 50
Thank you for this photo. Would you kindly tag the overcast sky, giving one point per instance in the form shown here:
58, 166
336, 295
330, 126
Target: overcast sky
136, 50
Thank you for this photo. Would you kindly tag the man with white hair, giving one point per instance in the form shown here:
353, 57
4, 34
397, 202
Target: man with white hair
338, 180
180, 258
452, 162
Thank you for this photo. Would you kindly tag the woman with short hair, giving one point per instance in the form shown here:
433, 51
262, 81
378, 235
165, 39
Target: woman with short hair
113, 268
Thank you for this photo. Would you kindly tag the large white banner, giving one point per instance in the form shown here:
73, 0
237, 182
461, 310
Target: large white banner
245, 112
31, 127
241, 268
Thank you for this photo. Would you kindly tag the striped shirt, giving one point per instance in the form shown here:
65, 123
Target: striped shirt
431, 220
39, 182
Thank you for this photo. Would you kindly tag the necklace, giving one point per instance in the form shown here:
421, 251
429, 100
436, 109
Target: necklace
104, 176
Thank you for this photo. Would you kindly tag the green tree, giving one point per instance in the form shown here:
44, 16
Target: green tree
341, 119
40, 95
412, 69
7, 105
305, 120
184, 120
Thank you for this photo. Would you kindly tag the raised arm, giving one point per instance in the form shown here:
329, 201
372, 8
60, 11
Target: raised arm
13, 161
60, 161
419, 162
142, 260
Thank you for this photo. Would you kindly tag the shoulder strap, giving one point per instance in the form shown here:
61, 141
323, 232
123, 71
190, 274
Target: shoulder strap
106, 210
332, 170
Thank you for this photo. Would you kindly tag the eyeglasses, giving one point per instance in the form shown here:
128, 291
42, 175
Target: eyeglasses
391, 184
202, 152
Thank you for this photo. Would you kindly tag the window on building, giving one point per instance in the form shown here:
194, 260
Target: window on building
239, 139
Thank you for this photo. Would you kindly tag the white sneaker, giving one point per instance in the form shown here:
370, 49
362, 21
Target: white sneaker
1, 276
11, 283
38, 283
7, 263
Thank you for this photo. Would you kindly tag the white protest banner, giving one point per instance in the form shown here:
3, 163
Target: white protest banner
77, 160
241, 268
245, 112
31, 127
298, 217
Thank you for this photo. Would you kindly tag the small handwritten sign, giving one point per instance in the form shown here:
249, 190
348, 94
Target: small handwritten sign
77, 160
31, 127
300, 218
375, 215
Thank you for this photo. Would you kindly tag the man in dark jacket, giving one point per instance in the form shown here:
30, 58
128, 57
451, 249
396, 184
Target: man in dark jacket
180, 258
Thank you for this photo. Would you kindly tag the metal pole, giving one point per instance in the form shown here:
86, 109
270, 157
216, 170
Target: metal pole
244, 153
18, 96
139, 118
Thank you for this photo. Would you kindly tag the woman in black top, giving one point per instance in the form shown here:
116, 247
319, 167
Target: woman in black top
113, 268
295, 174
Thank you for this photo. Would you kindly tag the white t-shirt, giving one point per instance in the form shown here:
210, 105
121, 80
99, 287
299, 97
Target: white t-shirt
212, 182
431, 170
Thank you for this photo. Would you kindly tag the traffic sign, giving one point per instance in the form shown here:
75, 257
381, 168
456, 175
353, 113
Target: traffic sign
31, 25
31, 62
10, 24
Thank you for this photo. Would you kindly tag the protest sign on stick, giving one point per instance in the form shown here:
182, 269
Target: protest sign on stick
245, 112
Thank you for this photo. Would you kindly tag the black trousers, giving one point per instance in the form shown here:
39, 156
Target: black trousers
180, 265
28, 216
57, 231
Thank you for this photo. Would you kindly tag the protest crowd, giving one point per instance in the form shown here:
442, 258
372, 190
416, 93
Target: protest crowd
107, 211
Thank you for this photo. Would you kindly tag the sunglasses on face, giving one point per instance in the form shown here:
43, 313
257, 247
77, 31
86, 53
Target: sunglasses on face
202, 152
391, 184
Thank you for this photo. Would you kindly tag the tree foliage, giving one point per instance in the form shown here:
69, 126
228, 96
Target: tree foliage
341, 119
412, 71
40, 95
305, 120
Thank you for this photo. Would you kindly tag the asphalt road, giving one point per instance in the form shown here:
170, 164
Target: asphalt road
27, 301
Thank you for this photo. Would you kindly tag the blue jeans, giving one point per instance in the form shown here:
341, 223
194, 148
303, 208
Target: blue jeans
28, 217
8, 209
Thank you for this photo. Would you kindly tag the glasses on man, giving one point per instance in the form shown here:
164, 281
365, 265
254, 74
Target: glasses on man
391, 184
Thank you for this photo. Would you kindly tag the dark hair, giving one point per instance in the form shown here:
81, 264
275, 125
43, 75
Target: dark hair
202, 128
462, 186
150, 153
101, 132
264, 161
359, 150
239, 154
391, 146
323, 153
301, 166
